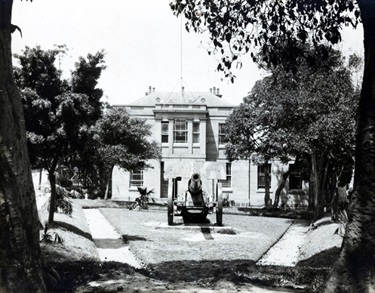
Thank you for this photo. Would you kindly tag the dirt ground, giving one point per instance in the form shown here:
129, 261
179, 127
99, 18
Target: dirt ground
184, 260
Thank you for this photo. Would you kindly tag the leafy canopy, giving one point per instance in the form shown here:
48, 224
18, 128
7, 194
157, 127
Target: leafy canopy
124, 141
237, 27
57, 115
288, 115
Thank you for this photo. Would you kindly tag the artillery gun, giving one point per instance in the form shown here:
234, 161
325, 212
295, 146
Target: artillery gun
194, 204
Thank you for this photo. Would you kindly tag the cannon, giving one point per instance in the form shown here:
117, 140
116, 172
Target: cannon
194, 204
195, 190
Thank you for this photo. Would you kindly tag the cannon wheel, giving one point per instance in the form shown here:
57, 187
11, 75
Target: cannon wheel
170, 202
219, 205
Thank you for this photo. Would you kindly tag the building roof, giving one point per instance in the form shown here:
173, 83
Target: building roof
205, 98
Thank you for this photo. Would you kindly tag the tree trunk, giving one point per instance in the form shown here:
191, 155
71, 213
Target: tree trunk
52, 181
108, 191
40, 178
324, 187
20, 265
282, 183
267, 186
354, 271
52, 206
311, 192
318, 209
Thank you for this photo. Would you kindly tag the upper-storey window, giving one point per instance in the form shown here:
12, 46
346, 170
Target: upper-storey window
196, 132
222, 139
180, 131
164, 131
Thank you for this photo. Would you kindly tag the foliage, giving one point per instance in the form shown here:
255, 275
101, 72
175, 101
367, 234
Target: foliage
142, 201
289, 114
51, 237
145, 193
125, 140
237, 28
117, 139
57, 115
38, 72
63, 203
85, 79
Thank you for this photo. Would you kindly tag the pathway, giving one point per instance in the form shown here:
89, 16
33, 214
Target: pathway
108, 241
285, 252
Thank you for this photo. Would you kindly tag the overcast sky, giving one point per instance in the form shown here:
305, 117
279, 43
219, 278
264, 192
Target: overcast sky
142, 42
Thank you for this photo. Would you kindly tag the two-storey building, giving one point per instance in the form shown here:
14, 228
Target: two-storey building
189, 128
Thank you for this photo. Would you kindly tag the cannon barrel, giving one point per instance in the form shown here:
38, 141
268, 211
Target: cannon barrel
195, 184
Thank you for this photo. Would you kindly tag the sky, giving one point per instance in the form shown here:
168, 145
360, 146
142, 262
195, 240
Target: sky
143, 43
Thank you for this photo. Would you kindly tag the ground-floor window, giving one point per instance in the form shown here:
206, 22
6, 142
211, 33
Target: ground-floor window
227, 183
136, 178
163, 182
262, 175
295, 179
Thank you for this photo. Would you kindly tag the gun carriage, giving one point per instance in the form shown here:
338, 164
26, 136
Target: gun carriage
194, 204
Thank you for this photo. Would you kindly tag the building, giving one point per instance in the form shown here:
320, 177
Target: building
189, 127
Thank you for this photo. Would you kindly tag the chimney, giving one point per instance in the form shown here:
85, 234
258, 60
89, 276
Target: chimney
153, 89
218, 93
149, 89
211, 90
214, 90
146, 93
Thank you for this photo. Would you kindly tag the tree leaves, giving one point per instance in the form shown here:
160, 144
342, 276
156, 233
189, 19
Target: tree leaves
266, 24
287, 115
124, 140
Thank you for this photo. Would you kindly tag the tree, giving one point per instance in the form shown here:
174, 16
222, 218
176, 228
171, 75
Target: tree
19, 245
293, 115
85, 79
57, 116
118, 139
251, 135
269, 25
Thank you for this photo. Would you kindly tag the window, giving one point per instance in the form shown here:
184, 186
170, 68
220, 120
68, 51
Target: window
180, 131
164, 131
195, 132
262, 175
227, 183
295, 180
136, 178
222, 139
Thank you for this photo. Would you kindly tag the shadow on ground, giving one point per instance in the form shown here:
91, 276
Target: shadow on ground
307, 276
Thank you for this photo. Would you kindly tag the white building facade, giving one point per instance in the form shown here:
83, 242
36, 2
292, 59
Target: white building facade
189, 128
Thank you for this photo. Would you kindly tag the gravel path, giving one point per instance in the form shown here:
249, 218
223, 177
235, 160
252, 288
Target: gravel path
108, 241
286, 251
